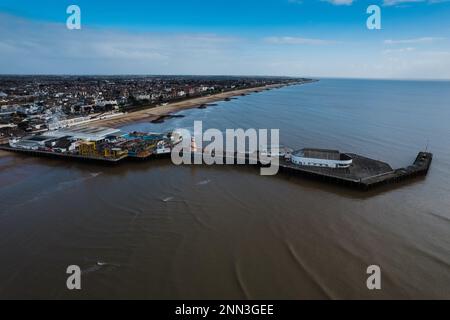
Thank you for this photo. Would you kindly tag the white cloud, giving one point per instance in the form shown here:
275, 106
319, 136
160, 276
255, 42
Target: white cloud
32, 47
397, 2
417, 64
334, 2
340, 2
400, 50
422, 40
298, 41
28, 47
402, 2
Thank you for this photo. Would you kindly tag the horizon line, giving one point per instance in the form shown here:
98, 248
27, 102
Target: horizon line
214, 75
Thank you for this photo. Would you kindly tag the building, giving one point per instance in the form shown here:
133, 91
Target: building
321, 158
42, 142
104, 103
66, 123
64, 144
31, 142
87, 148
84, 133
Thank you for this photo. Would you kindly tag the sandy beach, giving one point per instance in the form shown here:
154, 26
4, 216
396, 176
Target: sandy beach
154, 112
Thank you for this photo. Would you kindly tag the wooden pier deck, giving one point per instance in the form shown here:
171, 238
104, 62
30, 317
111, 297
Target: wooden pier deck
41, 153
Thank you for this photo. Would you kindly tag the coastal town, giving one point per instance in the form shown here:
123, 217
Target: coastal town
224, 159
65, 117
35, 104
79, 118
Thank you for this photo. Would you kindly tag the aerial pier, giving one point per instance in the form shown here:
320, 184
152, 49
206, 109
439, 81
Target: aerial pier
109, 146
364, 174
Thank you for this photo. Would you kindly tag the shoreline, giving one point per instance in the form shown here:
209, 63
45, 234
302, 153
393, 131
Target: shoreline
152, 113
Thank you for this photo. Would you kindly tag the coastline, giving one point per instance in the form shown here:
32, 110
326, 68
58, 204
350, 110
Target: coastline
153, 113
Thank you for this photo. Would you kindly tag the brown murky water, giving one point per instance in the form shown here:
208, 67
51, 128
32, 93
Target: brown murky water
153, 230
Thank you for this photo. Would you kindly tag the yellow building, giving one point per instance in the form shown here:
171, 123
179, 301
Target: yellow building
87, 148
115, 153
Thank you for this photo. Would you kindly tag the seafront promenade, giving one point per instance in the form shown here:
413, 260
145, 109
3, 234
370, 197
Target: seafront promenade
151, 112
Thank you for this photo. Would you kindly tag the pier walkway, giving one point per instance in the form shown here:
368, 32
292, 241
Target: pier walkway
363, 174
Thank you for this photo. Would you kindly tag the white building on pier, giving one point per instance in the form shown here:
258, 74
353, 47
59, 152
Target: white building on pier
321, 158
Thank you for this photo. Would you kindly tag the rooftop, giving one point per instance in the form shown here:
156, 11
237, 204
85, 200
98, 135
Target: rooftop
84, 133
318, 154
38, 138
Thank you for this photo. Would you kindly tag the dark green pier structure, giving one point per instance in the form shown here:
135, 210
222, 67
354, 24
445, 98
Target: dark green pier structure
364, 173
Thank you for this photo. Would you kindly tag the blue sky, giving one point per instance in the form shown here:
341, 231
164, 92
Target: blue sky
266, 37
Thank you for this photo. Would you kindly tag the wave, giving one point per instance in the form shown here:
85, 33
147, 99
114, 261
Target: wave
204, 182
